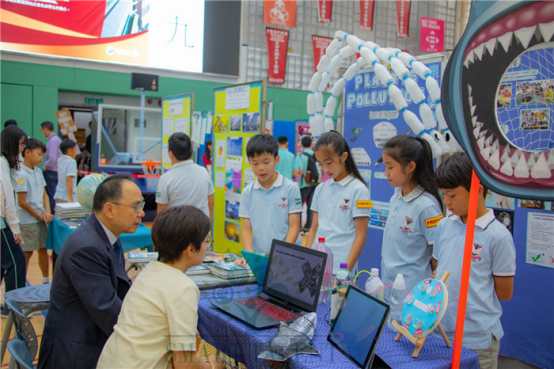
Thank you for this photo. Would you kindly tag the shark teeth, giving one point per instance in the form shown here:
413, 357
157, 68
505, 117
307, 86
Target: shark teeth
505, 40
507, 169
540, 169
521, 170
547, 30
524, 35
494, 160
505, 155
491, 45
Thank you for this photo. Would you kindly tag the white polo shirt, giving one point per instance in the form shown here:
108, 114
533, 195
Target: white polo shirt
67, 167
493, 255
408, 235
337, 205
186, 183
268, 211
32, 182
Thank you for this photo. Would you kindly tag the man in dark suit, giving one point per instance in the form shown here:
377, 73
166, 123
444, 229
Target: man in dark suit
89, 281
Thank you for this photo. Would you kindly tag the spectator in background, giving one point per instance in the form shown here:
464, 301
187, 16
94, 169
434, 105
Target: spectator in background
286, 162
10, 122
306, 191
53, 153
86, 154
207, 156
13, 141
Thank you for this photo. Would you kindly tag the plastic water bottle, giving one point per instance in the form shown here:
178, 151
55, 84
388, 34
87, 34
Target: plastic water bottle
327, 283
397, 296
343, 276
374, 286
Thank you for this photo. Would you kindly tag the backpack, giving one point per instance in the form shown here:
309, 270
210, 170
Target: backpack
313, 170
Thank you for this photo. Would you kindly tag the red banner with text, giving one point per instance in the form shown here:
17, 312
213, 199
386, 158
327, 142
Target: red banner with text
277, 46
280, 12
325, 9
403, 17
319, 44
366, 14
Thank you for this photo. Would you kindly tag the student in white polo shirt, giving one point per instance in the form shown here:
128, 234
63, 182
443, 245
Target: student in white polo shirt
270, 207
493, 262
415, 211
66, 190
33, 205
341, 204
187, 183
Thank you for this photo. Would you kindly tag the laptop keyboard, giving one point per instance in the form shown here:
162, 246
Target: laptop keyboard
268, 309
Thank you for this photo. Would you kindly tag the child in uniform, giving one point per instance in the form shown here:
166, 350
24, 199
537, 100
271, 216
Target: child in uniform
159, 316
493, 264
66, 190
286, 158
34, 206
341, 204
270, 207
415, 211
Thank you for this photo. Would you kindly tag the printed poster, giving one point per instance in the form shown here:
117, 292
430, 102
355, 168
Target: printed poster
219, 153
540, 233
233, 174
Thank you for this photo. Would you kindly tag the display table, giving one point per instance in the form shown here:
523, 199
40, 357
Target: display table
243, 343
59, 231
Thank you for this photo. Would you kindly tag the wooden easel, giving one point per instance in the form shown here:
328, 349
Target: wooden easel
418, 342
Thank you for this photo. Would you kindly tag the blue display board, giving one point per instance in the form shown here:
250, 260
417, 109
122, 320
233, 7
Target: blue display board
369, 120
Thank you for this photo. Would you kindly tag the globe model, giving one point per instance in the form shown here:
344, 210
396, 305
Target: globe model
86, 189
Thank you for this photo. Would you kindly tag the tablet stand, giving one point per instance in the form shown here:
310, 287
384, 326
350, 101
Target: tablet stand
418, 342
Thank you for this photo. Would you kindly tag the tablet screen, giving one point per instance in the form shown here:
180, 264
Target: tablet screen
357, 328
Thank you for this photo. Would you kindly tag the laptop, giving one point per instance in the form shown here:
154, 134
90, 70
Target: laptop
290, 288
257, 263
358, 327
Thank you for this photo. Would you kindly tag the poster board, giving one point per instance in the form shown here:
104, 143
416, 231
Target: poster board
176, 117
239, 114
370, 118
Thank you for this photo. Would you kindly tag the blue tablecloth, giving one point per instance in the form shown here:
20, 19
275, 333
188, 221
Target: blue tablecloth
244, 343
58, 232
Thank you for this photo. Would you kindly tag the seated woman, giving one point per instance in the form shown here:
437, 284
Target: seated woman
157, 324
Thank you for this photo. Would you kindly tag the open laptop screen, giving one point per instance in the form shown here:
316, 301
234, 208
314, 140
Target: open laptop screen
294, 275
358, 326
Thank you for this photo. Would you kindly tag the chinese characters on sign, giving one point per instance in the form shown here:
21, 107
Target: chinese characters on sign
366, 14
325, 8
320, 45
277, 45
403, 15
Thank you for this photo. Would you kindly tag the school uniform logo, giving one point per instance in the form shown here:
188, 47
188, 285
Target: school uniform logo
345, 204
284, 202
407, 227
298, 201
476, 251
21, 181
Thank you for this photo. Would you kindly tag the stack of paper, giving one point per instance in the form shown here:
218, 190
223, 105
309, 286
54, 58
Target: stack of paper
229, 270
69, 210
142, 257
197, 269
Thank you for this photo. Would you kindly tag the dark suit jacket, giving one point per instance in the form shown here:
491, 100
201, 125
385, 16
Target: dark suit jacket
85, 300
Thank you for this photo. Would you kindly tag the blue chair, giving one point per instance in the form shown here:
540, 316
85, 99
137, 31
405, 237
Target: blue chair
24, 330
20, 353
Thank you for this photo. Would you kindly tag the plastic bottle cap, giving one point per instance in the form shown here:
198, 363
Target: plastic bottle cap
321, 239
343, 265
375, 272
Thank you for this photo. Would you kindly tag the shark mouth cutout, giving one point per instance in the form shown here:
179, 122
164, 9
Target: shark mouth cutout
489, 53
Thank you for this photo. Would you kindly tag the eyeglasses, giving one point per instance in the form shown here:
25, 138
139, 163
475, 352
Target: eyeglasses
138, 206
210, 243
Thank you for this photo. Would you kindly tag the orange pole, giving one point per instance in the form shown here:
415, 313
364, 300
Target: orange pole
466, 268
